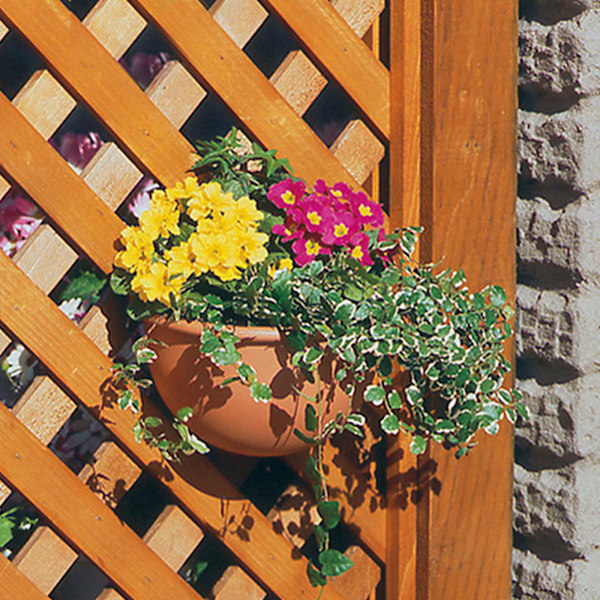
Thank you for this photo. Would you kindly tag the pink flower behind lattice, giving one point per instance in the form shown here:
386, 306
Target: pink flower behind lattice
19, 218
140, 197
144, 67
78, 148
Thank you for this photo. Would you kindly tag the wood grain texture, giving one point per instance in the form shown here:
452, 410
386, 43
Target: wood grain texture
88, 523
175, 92
45, 558
215, 59
60, 345
239, 18
30, 161
15, 584
341, 55
173, 536
44, 103
456, 165
235, 584
361, 580
92, 75
115, 24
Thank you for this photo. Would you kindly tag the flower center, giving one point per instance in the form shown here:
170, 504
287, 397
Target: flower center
314, 217
365, 211
357, 253
340, 230
312, 247
288, 197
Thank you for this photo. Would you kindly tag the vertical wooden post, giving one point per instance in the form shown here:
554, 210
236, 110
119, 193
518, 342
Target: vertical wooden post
453, 170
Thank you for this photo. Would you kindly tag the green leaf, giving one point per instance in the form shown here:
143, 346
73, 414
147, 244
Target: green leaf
321, 535
310, 418
390, 424
353, 293
315, 577
340, 374
6, 530
145, 356
344, 311
418, 445
227, 355
312, 470
334, 563
197, 444
210, 345
522, 410
153, 421
185, 413
497, 295
304, 438
125, 399
86, 284
394, 399
330, 511
247, 373
312, 355
374, 394
261, 392
120, 282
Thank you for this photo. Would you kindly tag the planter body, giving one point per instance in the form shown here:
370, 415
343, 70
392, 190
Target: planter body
229, 418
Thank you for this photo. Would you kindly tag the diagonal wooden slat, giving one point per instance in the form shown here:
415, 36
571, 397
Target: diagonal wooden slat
28, 159
88, 524
84, 370
340, 54
215, 59
91, 74
15, 585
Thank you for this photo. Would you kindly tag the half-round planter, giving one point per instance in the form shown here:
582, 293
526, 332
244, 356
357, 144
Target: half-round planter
229, 418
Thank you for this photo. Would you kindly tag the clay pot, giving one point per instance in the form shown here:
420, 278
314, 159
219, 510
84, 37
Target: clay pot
229, 418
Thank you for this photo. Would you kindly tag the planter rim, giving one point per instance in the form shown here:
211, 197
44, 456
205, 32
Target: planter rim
259, 334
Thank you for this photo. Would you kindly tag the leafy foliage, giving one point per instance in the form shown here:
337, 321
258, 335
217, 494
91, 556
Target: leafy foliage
374, 319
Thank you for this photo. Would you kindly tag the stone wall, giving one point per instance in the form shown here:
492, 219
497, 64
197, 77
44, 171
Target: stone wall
557, 455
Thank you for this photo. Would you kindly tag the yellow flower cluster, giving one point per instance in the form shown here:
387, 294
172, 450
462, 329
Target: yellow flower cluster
225, 240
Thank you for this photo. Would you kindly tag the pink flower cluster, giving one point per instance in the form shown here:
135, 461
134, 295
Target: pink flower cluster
79, 148
327, 218
19, 218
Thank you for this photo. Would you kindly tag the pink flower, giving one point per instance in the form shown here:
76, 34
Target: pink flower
140, 197
359, 248
144, 67
19, 218
365, 210
317, 213
6, 245
339, 231
286, 193
307, 249
78, 149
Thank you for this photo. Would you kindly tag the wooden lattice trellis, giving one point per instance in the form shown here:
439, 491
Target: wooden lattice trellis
82, 67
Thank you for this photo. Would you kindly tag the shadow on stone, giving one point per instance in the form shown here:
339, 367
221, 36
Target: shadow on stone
538, 458
546, 544
546, 276
535, 97
548, 12
545, 372
555, 191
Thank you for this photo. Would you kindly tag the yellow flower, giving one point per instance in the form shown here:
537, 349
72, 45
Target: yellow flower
180, 260
138, 250
285, 264
183, 190
254, 245
157, 284
160, 221
208, 197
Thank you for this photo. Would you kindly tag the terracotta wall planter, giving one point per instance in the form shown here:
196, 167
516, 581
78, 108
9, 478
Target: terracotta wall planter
229, 417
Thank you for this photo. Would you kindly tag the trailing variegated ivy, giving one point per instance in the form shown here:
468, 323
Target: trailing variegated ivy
318, 266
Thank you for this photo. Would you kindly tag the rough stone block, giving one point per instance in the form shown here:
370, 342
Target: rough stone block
558, 332
559, 63
557, 248
556, 513
559, 157
535, 579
